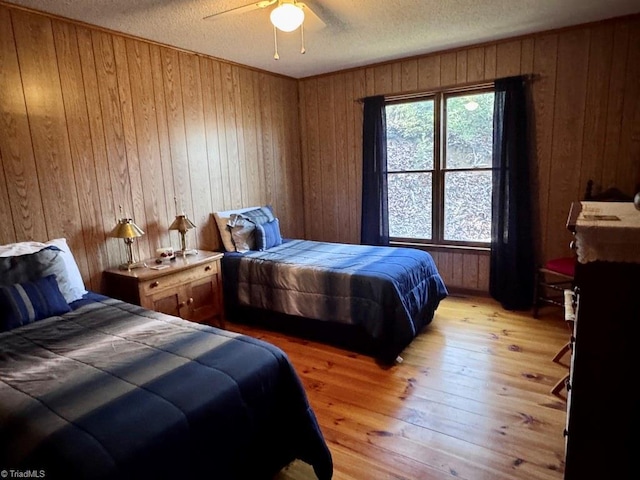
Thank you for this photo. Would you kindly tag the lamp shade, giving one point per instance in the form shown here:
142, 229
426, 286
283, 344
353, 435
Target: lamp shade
287, 17
182, 224
126, 228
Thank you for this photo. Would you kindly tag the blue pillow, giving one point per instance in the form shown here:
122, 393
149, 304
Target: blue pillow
28, 302
268, 235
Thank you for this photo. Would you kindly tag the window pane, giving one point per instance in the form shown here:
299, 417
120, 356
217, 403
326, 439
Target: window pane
467, 206
410, 136
410, 205
469, 130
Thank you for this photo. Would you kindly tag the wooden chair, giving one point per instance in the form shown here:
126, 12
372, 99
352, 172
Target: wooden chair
557, 274
552, 279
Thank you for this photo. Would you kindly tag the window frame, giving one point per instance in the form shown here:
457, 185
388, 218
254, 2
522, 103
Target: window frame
439, 170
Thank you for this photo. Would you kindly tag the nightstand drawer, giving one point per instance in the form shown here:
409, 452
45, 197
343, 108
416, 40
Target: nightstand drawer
174, 280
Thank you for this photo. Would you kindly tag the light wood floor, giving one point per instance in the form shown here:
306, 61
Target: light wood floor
470, 401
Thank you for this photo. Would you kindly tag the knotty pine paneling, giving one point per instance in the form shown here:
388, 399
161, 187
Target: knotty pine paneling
92, 120
585, 124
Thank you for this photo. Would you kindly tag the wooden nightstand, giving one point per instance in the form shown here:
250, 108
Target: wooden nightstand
190, 287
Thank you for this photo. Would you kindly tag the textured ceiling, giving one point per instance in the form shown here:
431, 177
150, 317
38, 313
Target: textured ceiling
352, 33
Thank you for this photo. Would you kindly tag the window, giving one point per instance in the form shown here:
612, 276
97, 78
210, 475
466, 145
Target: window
439, 155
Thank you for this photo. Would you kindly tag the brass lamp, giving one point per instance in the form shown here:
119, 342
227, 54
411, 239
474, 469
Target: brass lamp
128, 230
182, 224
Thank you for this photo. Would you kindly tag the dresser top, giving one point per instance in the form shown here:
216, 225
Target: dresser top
606, 231
167, 267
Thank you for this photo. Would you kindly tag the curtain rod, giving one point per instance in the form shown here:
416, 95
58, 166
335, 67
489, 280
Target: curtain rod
453, 88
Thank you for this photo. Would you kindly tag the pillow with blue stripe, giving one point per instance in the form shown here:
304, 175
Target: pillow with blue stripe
268, 235
28, 302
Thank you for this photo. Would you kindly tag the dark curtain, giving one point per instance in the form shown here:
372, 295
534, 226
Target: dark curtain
375, 211
512, 263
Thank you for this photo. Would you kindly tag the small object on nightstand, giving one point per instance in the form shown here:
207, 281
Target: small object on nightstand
165, 253
636, 201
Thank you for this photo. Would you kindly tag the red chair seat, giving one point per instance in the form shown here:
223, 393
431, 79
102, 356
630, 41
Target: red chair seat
564, 266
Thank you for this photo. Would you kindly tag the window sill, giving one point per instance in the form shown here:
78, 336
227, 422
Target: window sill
432, 247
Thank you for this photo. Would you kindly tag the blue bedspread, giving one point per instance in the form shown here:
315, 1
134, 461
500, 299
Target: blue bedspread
114, 391
389, 292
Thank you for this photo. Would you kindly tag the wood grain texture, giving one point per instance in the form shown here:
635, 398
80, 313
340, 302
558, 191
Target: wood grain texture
157, 210
470, 400
92, 120
130, 142
543, 94
48, 128
569, 114
98, 160
616, 100
595, 123
194, 125
81, 146
18, 162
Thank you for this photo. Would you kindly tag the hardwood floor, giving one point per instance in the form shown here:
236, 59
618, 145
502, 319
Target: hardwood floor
471, 400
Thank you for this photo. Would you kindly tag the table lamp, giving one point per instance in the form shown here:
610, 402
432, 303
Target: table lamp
182, 224
128, 231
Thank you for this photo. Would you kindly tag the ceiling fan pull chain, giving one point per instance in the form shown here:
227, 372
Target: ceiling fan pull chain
302, 49
275, 43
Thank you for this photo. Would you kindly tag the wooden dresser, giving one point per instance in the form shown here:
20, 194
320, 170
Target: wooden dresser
603, 403
189, 287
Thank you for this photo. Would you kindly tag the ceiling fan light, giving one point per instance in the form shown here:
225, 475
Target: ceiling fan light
287, 17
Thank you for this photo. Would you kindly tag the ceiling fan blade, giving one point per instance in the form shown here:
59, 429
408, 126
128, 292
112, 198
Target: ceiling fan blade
312, 17
243, 8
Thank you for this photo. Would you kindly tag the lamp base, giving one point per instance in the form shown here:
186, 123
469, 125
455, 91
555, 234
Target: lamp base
184, 253
132, 265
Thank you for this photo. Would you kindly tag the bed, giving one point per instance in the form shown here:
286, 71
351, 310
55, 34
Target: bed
369, 299
96, 388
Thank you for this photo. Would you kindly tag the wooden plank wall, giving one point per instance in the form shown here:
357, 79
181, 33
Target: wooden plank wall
91, 120
585, 125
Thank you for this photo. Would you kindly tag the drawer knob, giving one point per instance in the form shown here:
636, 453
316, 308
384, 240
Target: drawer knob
207, 268
190, 301
155, 284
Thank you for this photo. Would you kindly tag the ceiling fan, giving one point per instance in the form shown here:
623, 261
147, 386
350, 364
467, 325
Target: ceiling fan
287, 16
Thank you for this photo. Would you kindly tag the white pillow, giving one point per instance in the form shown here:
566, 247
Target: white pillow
76, 284
222, 218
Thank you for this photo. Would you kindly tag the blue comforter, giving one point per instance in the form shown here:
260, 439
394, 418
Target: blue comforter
391, 293
114, 391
